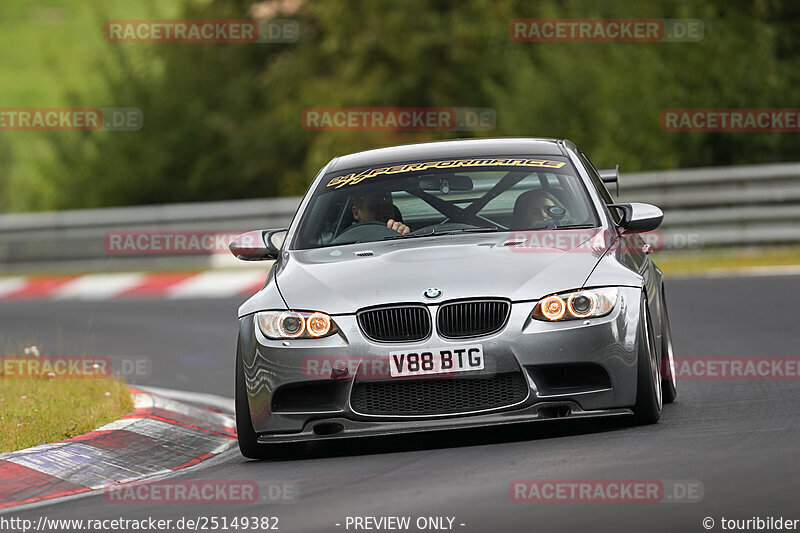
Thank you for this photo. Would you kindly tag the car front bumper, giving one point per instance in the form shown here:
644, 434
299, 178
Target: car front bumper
543, 353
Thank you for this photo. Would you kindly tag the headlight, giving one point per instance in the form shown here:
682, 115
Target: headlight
588, 303
295, 324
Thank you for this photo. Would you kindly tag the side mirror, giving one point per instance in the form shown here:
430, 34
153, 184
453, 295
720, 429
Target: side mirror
639, 217
610, 175
258, 245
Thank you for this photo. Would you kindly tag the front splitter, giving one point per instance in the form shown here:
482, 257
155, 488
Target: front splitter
337, 428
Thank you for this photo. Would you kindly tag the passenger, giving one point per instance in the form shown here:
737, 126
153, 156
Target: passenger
532, 209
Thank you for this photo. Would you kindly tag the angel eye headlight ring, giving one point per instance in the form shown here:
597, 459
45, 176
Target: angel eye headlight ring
553, 308
582, 304
574, 305
291, 324
277, 325
318, 324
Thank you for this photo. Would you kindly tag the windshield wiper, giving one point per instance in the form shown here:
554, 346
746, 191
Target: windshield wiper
431, 232
552, 226
408, 235
482, 229
576, 226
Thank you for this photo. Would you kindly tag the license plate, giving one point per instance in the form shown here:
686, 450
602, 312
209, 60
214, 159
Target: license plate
436, 361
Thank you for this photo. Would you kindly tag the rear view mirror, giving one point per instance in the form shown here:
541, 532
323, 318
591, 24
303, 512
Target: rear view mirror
447, 184
639, 217
258, 245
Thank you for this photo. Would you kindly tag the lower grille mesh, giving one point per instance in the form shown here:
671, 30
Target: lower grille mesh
445, 395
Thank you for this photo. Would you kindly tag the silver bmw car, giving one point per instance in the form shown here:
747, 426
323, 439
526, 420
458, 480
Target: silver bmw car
448, 285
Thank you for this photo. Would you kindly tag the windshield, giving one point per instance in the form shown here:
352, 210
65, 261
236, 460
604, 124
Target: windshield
444, 196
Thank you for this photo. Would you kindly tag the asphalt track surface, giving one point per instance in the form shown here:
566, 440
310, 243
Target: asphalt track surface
739, 438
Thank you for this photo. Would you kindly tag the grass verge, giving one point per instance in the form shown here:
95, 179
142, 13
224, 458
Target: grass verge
51, 51
41, 410
726, 259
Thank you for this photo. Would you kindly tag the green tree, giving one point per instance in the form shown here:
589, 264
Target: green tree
223, 121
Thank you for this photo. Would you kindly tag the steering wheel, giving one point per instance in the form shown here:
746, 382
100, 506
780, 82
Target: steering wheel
362, 231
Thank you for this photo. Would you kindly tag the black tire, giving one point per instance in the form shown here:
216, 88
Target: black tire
669, 388
648, 387
246, 435
248, 439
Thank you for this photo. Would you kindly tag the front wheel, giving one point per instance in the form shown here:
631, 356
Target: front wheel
248, 439
669, 387
648, 387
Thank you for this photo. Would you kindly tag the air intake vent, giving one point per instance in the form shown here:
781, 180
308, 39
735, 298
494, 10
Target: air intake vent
472, 318
364, 253
438, 396
515, 242
395, 324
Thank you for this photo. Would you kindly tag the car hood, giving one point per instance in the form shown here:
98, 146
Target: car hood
344, 279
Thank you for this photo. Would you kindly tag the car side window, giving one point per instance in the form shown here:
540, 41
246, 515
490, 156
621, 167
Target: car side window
600, 187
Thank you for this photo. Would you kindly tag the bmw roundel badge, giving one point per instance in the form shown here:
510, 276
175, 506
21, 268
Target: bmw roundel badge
433, 293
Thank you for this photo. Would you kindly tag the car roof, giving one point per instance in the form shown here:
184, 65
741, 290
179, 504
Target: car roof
452, 148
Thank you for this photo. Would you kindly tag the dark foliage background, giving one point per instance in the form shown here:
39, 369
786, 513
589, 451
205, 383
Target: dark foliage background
222, 121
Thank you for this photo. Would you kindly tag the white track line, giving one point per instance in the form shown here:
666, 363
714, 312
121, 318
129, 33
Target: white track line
9, 285
215, 284
98, 286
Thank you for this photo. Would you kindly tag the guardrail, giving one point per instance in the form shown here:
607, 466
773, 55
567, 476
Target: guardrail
721, 206
748, 205
75, 240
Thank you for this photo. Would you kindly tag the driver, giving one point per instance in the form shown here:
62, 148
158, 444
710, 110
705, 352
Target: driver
378, 208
